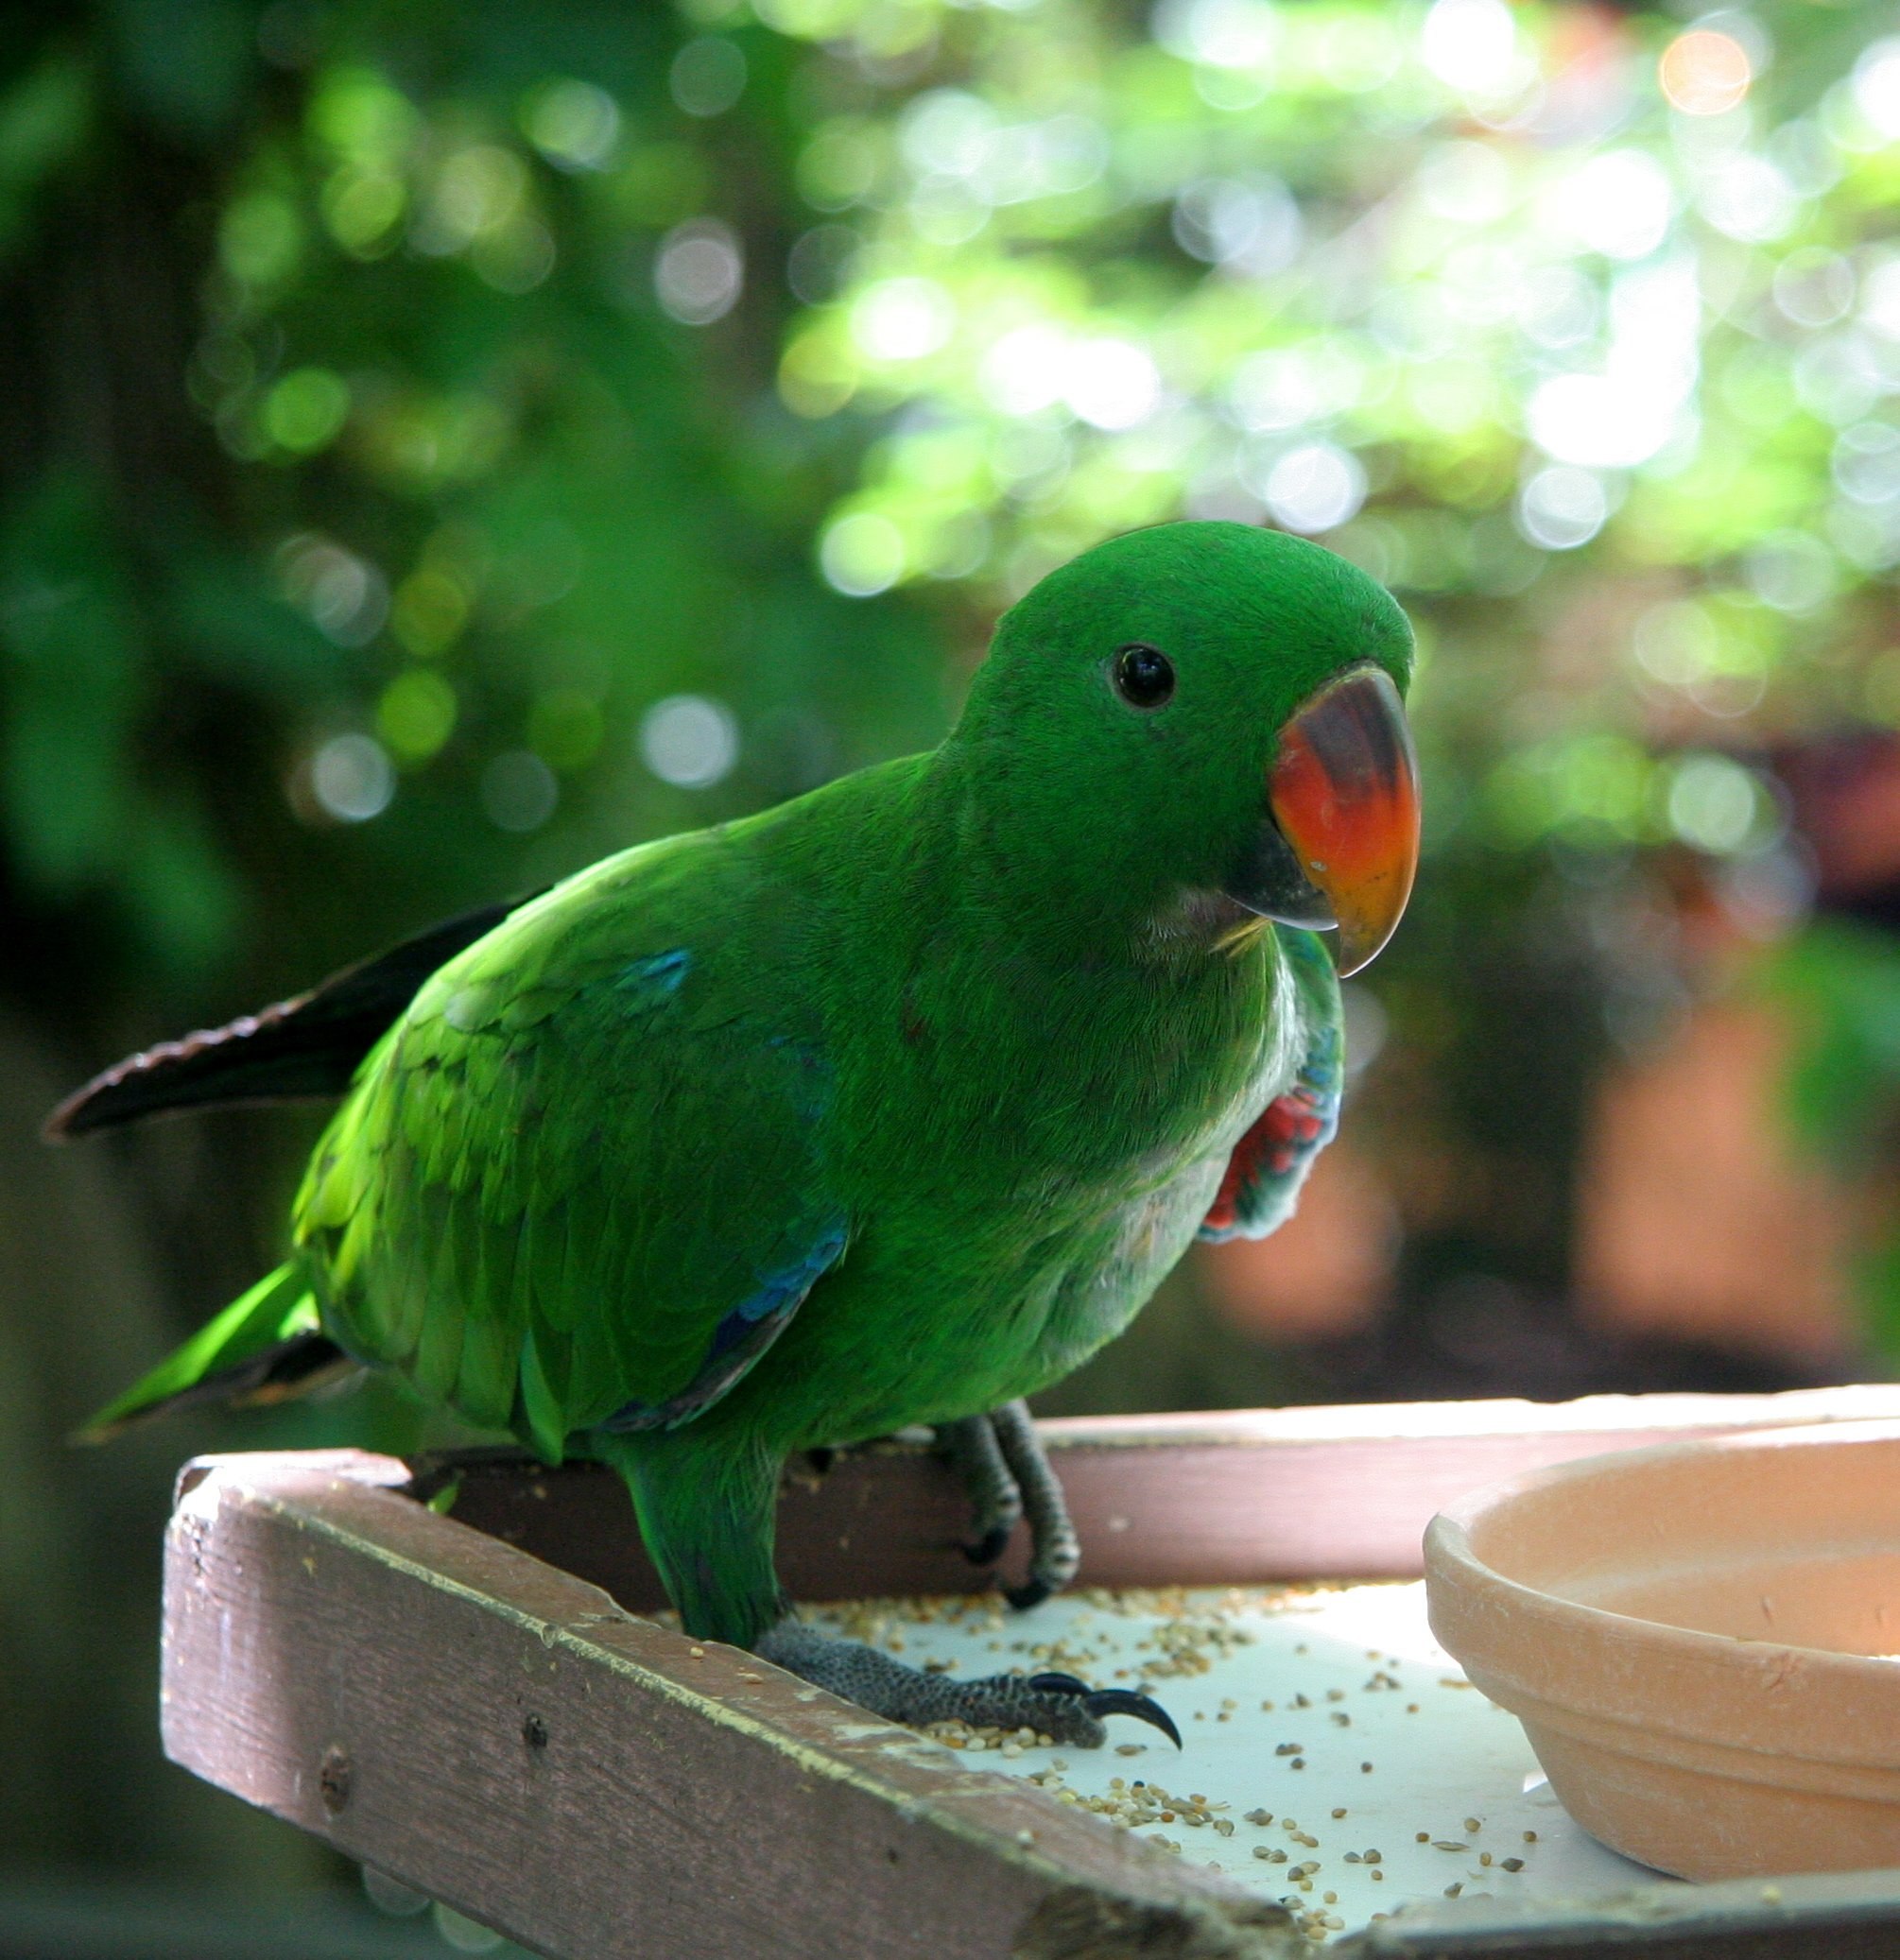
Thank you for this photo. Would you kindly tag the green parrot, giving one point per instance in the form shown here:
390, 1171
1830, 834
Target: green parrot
885, 1106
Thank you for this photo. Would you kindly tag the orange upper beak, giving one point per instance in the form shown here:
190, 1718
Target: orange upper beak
1344, 792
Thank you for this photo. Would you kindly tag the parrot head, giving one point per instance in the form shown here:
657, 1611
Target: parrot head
1206, 721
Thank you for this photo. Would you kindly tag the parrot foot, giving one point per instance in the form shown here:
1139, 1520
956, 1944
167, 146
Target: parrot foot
1007, 1473
995, 1504
1057, 1705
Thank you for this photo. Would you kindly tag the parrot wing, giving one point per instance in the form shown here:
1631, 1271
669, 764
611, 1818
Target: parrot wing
578, 1185
1261, 1185
307, 1046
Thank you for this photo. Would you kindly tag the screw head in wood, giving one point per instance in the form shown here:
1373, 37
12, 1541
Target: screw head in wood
334, 1777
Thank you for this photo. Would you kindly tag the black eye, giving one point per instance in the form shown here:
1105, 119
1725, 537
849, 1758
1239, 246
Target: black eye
1142, 675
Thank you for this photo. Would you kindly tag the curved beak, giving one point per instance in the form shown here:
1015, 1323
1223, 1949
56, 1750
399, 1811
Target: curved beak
1339, 845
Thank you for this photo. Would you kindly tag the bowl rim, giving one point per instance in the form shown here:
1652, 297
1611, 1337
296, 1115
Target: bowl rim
1832, 1689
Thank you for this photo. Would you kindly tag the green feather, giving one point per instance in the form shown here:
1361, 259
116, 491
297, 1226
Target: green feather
886, 1105
279, 1305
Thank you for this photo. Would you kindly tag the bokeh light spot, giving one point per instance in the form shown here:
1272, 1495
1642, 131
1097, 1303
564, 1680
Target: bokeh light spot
573, 124
1470, 45
1221, 33
700, 271
306, 410
416, 714
1314, 487
345, 597
1677, 642
1562, 507
1026, 370
1703, 72
689, 741
259, 238
1111, 383
708, 74
1713, 802
351, 777
1618, 203
1876, 86
1791, 571
362, 208
1814, 288
903, 319
518, 791
429, 612
861, 554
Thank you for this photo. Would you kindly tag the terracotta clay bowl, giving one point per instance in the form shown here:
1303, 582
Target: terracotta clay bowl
1702, 1643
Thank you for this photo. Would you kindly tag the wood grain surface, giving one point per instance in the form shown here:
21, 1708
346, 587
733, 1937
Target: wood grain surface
504, 1737
1194, 1500
440, 1699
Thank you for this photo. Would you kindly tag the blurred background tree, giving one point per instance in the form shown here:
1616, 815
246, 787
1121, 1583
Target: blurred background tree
440, 444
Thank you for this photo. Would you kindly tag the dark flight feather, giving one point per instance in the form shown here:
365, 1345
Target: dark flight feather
307, 1046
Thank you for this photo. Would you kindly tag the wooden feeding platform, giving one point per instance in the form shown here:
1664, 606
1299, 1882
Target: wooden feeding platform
441, 1667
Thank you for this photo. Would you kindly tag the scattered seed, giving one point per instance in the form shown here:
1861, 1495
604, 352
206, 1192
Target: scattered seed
1510, 1863
1530, 1837
1472, 1824
1260, 1816
1338, 1814
1448, 1844
1452, 1890
1484, 1857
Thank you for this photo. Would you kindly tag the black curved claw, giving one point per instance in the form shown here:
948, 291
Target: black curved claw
1143, 1707
1031, 1592
988, 1548
1111, 1701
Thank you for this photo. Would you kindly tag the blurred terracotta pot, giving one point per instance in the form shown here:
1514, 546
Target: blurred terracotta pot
1702, 1643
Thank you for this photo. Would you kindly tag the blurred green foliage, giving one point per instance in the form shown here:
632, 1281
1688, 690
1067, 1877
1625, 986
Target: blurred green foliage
565, 362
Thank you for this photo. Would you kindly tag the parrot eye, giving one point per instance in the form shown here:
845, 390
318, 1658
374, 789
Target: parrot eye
1142, 675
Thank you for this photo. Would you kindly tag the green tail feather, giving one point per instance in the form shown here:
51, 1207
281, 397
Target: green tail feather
228, 1351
